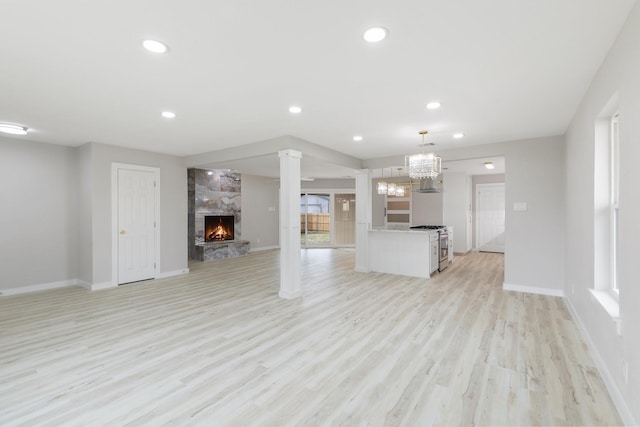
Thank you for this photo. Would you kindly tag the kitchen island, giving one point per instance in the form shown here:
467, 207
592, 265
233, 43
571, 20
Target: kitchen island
403, 251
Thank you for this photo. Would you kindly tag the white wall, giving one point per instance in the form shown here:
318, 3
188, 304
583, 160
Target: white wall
619, 80
260, 211
39, 213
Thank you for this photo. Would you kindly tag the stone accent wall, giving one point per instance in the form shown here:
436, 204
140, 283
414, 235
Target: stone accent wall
215, 194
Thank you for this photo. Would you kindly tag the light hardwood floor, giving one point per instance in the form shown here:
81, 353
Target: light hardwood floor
218, 347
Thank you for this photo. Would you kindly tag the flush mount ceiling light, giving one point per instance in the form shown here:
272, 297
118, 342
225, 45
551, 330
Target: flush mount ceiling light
489, 165
357, 138
458, 135
168, 114
294, 109
375, 34
423, 165
155, 46
13, 129
433, 105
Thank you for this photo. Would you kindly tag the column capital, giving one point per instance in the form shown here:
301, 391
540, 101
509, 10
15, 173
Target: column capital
290, 153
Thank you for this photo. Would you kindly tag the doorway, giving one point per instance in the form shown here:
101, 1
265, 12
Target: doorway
135, 225
327, 219
315, 219
490, 213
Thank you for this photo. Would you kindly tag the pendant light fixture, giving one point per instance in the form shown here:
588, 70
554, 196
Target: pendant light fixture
423, 165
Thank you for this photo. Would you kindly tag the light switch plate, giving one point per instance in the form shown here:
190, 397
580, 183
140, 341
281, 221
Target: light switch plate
520, 206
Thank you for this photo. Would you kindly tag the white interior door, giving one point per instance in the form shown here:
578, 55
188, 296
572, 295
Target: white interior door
136, 224
490, 217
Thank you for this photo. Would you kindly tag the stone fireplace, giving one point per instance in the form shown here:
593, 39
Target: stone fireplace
215, 215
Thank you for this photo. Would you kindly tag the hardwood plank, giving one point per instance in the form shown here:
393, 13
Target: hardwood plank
219, 347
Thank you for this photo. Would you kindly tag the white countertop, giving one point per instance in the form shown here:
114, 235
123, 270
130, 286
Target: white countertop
402, 230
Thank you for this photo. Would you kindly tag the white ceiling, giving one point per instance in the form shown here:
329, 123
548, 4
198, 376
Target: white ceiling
74, 71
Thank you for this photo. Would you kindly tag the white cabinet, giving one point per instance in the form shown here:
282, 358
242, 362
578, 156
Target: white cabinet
435, 253
405, 252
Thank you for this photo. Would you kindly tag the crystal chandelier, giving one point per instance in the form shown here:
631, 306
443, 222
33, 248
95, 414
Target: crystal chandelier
423, 165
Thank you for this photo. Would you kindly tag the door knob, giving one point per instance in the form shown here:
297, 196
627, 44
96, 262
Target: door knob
122, 231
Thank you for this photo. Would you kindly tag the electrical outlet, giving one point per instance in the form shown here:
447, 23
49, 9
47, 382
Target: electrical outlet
625, 371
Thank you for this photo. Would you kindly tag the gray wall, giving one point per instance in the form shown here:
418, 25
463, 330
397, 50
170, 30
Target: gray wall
173, 207
85, 213
616, 87
427, 209
534, 239
260, 220
38, 219
534, 174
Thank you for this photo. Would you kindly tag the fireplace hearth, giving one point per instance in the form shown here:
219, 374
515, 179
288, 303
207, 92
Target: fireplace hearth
218, 228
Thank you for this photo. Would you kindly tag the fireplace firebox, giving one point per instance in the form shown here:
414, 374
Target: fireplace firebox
218, 228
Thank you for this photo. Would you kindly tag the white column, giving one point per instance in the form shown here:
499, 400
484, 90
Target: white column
363, 219
290, 224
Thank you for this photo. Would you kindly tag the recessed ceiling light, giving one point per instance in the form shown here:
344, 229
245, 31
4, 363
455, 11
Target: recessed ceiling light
210, 173
458, 135
433, 105
489, 165
357, 138
13, 129
294, 109
155, 46
375, 34
168, 114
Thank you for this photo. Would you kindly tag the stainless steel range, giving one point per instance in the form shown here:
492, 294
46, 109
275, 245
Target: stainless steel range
443, 245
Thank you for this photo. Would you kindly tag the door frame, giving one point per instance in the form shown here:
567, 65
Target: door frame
115, 167
476, 191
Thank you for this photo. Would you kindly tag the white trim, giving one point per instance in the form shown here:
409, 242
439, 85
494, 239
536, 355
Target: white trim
263, 248
114, 217
101, 286
610, 304
612, 388
172, 273
533, 290
39, 287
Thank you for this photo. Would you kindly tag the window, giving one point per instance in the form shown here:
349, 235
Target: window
614, 179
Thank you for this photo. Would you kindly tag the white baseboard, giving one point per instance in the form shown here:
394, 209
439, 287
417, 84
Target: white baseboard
172, 273
612, 388
263, 248
533, 290
103, 285
39, 287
